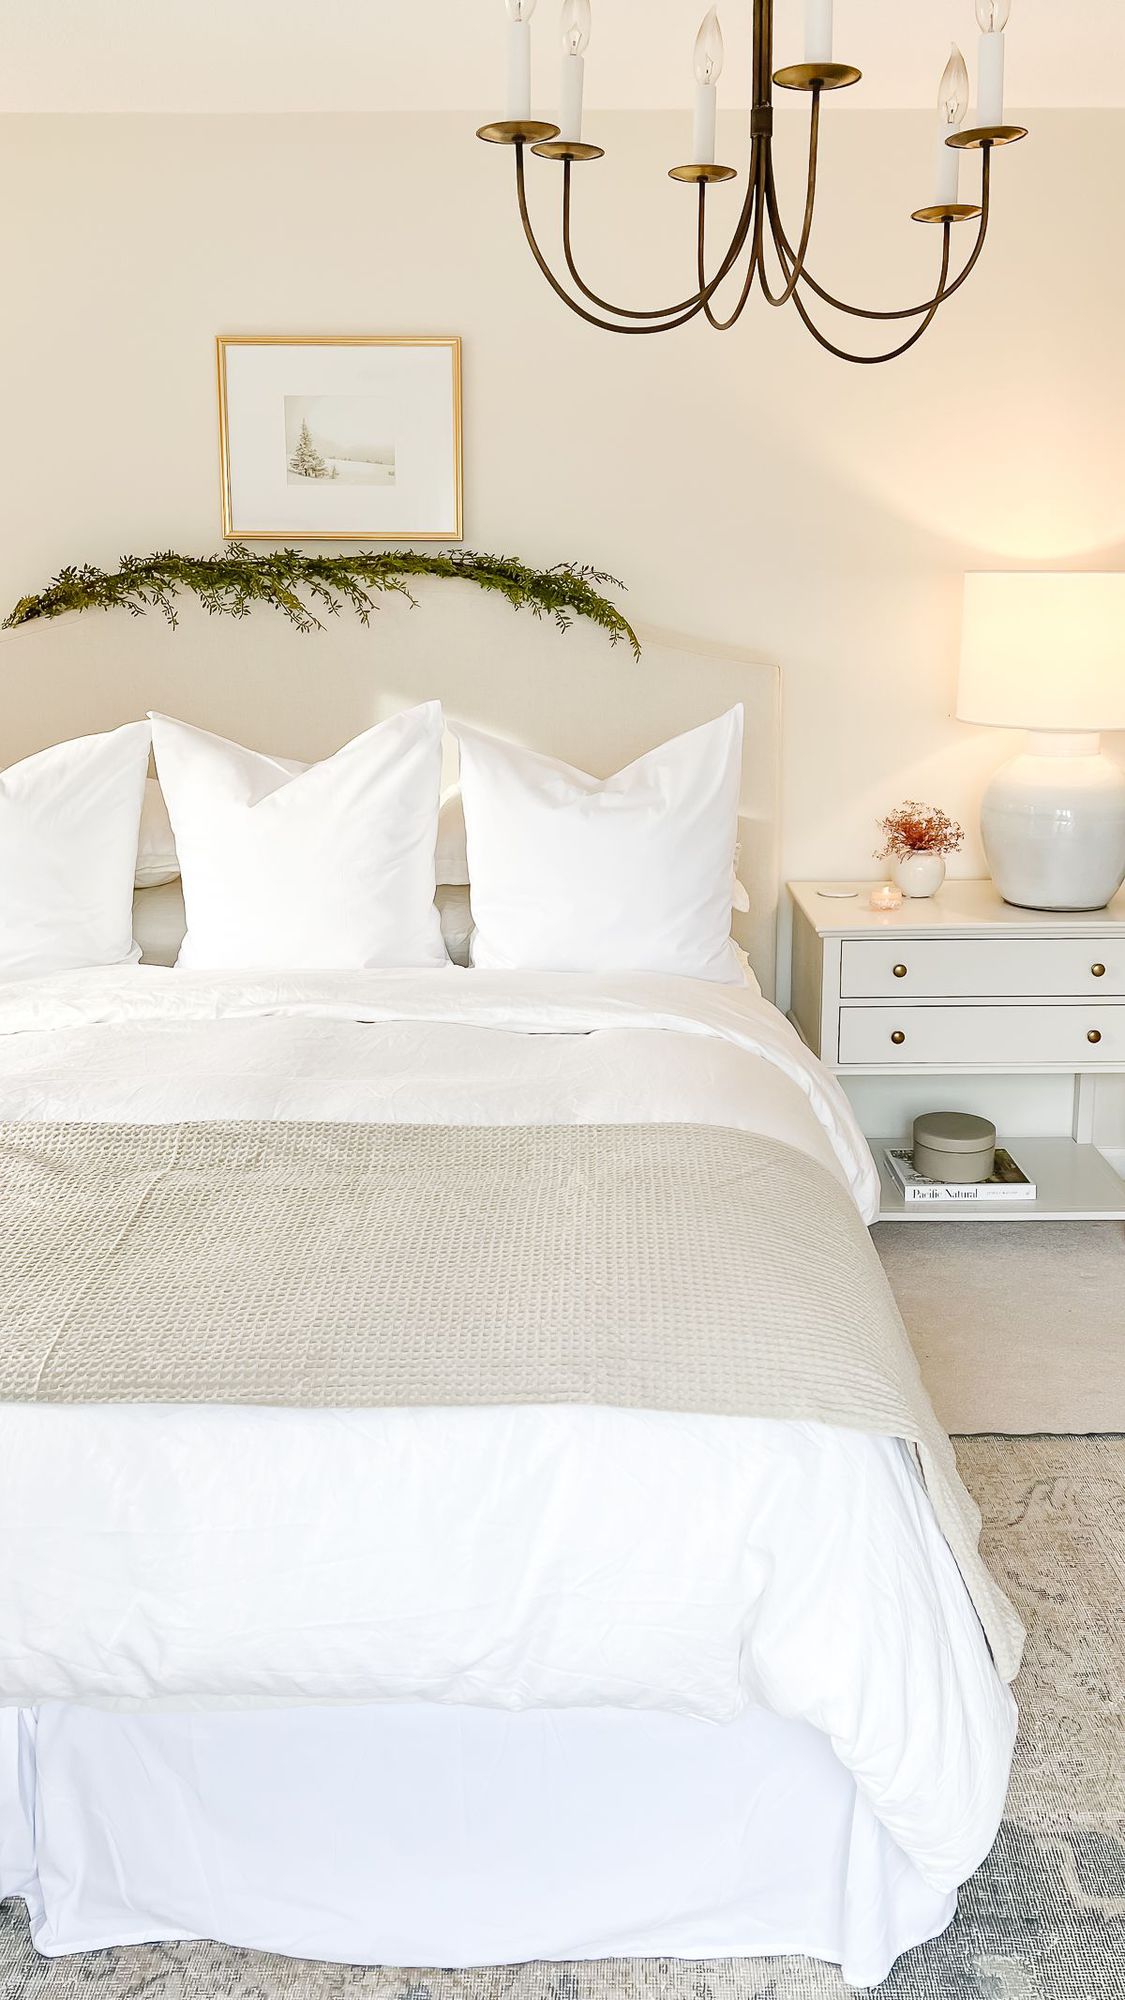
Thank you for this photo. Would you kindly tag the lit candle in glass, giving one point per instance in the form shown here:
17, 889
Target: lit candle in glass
887, 896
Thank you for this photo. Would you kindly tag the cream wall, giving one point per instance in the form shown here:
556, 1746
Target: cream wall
750, 490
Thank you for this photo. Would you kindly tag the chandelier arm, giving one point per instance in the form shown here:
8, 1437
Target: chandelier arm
754, 214
905, 312
769, 196
982, 227
724, 325
892, 354
605, 325
706, 288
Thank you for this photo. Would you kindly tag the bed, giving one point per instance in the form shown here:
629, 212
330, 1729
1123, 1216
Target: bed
425, 1677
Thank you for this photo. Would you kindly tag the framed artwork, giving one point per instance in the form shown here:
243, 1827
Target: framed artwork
355, 437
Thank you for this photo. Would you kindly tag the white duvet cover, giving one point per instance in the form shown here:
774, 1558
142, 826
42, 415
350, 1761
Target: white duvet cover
170, 1557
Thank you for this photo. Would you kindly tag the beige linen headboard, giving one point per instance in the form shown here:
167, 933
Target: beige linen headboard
571, 695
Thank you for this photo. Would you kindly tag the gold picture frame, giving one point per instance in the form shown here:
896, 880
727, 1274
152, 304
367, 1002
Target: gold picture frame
417, 469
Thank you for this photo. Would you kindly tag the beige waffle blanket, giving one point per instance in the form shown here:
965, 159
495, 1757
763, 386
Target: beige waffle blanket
665, 1267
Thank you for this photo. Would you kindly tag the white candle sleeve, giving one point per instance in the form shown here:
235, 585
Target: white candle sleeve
818, 31
519, 69
990, 86
947, 177
570, 106
703, 129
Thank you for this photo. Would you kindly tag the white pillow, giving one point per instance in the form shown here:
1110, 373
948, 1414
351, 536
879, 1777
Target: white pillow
456, 921
452, 859
331, 867
68, 846
157, 860
158, 864
159, 922
632, 873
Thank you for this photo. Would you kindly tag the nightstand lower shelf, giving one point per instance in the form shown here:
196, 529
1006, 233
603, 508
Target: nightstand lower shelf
1075, 1184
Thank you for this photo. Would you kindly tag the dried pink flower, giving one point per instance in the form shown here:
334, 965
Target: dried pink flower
918, 829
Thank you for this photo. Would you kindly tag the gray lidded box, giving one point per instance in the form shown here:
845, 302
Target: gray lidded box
954, 1146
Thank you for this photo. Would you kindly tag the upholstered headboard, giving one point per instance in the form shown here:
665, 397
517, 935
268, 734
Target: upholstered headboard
259, 681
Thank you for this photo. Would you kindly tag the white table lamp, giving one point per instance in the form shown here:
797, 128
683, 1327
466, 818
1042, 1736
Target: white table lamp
1046, 653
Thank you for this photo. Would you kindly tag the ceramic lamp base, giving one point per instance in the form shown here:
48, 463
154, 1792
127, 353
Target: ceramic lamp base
1053, 824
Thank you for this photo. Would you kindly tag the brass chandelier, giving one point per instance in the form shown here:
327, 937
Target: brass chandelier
774, 262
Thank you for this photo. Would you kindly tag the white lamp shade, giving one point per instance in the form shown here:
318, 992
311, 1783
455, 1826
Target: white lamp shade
1044, 651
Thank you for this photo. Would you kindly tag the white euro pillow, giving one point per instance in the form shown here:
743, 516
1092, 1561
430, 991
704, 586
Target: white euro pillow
68, 843
329, 866
157, 860
453, 859
571, 873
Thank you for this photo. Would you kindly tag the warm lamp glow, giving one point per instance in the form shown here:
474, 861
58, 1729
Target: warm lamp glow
1044, 651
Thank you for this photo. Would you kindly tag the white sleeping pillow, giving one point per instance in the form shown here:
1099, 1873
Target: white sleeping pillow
452, 859
68, 844
157, 860
456, 920
631, 873
452, 853
328, 867
159, 922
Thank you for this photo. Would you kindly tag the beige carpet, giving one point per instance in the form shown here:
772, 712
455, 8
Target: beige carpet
1018, 1327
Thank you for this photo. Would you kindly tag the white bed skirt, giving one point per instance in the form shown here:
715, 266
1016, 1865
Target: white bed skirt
454, 1836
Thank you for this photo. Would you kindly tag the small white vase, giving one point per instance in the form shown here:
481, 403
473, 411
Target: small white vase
920, 874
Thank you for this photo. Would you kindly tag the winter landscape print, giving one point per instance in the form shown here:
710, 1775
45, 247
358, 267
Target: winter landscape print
337, 439
355, 437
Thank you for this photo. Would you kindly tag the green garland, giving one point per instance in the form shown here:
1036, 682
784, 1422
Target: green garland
231, 583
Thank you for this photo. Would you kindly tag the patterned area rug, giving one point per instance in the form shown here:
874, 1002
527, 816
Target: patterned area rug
1043, 1920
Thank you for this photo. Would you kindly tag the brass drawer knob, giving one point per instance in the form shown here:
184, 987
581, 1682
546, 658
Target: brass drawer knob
898, 1037
900, 971
1098, 971
1094, 1035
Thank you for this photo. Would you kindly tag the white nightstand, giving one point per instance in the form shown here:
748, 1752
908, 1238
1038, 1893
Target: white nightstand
962, 1000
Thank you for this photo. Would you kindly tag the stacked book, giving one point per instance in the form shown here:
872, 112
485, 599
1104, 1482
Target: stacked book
1007, 1182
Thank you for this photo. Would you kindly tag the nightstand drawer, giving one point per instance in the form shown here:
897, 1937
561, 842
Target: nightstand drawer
1077, 1037
978, 968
